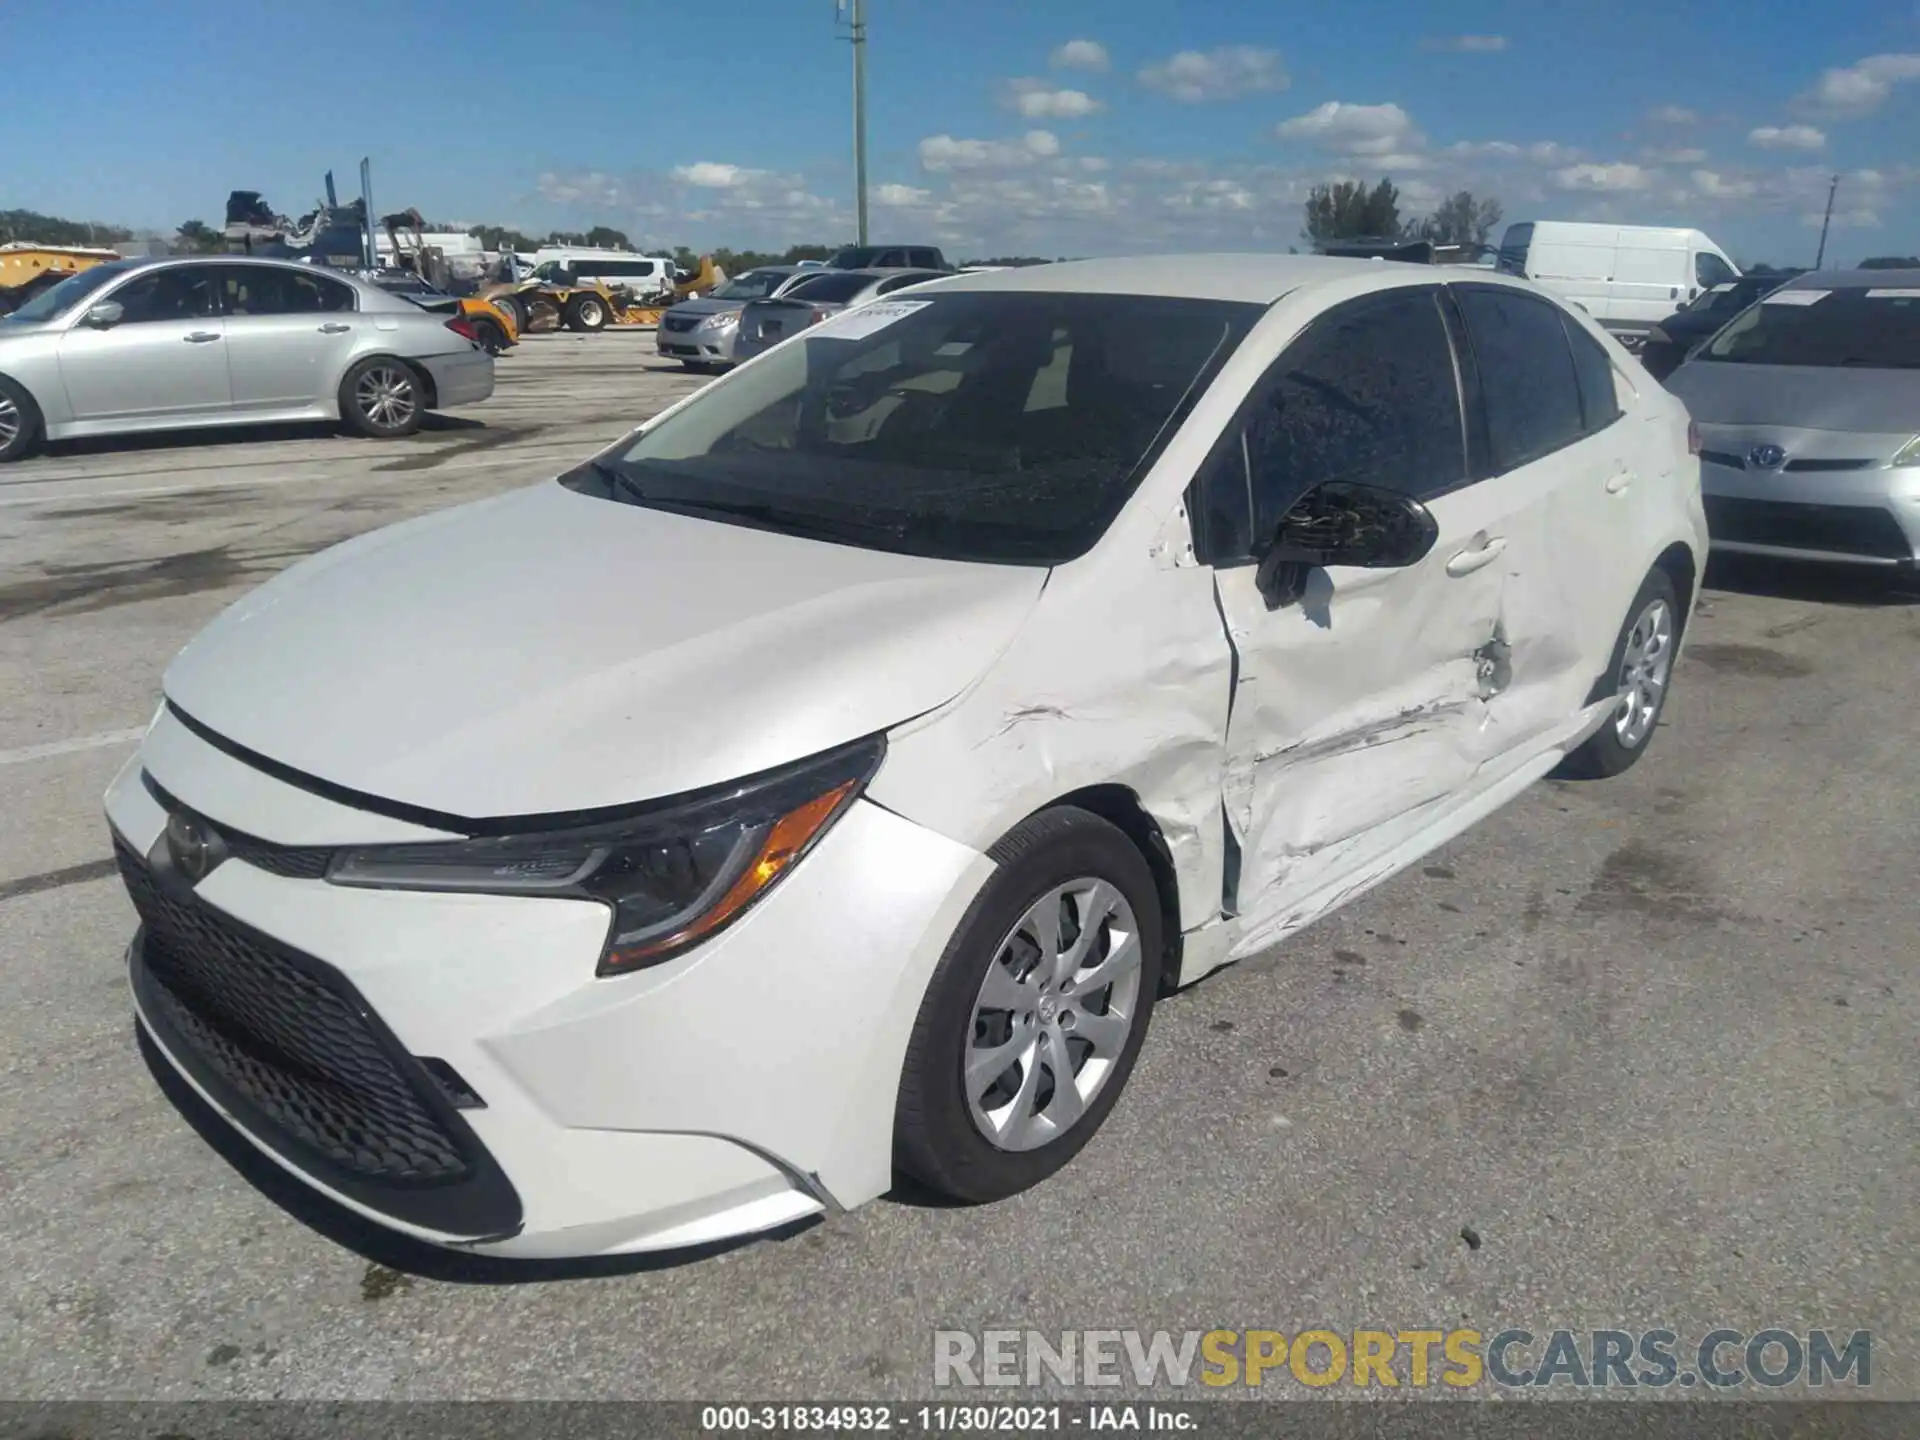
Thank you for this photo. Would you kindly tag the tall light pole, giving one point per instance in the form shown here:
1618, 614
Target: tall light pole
1821, 257
855, 12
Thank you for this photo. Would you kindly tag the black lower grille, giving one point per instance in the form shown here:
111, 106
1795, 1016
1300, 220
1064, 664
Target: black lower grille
1864, 530
288, 1046
678, 322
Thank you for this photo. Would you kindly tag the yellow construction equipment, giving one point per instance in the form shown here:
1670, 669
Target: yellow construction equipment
26, 268
542, 305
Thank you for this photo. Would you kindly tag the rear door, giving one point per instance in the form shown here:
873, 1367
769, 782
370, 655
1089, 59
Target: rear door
290, 335
1362, 710
165, 360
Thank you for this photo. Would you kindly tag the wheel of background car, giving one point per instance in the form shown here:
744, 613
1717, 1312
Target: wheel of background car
587, 313
1642, 673
493, 338
383, 398
1035, 1013
19, 421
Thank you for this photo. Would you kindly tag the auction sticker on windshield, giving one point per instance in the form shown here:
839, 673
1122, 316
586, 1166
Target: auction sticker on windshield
860, 323
1893, 294
1796, 297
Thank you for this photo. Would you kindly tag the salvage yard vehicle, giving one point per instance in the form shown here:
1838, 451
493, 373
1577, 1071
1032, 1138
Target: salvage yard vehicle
1013, 651
1808, 406
700, 333
494, 326
765, 323
174, 344
1670, 342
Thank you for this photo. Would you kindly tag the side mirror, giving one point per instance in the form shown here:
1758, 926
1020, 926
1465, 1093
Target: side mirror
106, 315
1343, 524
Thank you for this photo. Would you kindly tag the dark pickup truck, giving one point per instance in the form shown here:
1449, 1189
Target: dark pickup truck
889, 257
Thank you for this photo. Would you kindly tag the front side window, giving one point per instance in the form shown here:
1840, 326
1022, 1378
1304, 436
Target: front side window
995, 427
1711, 270
1842, 328
179, 292
1532, 396
754, 285
58, 299
264, 290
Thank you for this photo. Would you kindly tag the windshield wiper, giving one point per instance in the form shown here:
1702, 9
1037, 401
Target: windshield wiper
775, 517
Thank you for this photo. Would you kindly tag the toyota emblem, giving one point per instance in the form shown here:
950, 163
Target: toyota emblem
193, 848
1766, 457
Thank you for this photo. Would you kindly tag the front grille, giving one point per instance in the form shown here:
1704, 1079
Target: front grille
1842, 529
292, 862
290, 1038
1739, 462
678, 322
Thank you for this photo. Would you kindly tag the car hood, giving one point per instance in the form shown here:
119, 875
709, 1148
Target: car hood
705, 305
1803, 397
549, 651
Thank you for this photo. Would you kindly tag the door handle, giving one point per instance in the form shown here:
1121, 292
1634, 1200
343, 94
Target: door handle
1617, 483
333, 327
201, 337
1485, 552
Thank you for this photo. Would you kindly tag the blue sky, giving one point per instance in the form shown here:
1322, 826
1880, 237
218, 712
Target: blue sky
1071, 127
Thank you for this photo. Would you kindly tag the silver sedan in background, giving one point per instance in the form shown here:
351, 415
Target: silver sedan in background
699, 333
170, 344
765, 323
1808, 407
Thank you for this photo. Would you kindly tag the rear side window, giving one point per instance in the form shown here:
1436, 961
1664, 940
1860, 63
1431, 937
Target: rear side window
1532, 396
924, 259
1367, 394
1593, 373
260, 290
1712, 270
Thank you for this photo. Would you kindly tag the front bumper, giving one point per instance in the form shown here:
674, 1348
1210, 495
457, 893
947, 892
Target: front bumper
460, 379
745, 1085
702, 345
1865, 516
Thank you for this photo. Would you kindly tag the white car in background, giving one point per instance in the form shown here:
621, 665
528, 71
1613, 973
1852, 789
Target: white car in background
823, 781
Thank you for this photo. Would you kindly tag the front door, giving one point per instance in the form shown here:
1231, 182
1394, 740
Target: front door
1362, 709
164, 360
289, 336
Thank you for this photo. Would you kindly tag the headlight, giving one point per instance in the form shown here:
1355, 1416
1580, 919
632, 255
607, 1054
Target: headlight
673, 874
1908, 454
725, 320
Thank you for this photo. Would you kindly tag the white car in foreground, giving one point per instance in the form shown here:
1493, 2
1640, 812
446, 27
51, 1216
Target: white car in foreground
823, 782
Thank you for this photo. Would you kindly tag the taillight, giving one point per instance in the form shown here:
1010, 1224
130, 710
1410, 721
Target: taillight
1693, 438
464, 329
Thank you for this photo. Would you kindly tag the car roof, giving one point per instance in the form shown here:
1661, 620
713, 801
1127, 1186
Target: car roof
1908, 279
1254, 279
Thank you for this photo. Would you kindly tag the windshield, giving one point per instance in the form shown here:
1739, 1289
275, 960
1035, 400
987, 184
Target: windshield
835, 288
1871, 329
988, 426
68, 293
754, 285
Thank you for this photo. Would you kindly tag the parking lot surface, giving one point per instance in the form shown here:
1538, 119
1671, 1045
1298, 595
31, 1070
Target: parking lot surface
1630, 1054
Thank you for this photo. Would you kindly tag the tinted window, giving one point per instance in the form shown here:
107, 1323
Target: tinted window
1712, 270
900, 282
260, 290
854, 257
754, 285
67, 294
835, 288
1000, 427
1532, 397
183, 292
1593, 372
1846, 327
925, 259
1512, 255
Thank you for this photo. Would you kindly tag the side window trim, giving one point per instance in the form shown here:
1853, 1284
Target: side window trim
1473, 402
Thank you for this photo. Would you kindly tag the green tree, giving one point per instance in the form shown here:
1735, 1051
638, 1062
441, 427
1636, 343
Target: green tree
1348, 210
1459, 220
37, 229
196, 237
1891, 262
603, 237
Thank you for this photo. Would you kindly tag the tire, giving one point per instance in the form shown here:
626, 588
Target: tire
493, 339
512, 305
587, 313
383, 398
19, 422
1008, 1130
1642, 682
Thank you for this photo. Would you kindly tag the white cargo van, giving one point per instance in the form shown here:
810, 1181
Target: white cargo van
645, 275
1628, 277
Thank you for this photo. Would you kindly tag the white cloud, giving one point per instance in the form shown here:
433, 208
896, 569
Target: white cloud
1080, 55
1465, 44
1685, 155
711, 175
1604, 179
1349, 129
1861, 88
944, 152
1858, 217
1787, 137
1037, 100
1543, 152
1715, 186
1673, 115
900, 196
1194, 76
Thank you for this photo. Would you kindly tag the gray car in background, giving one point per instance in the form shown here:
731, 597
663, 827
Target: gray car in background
824, 293
1808, 408
699, 333
171, 344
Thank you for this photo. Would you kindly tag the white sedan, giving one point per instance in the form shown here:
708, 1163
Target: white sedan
823, 782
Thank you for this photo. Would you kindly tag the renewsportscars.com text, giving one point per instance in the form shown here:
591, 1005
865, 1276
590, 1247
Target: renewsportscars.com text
1721, 1359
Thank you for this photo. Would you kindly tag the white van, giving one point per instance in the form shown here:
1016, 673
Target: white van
1628, 277
645, 275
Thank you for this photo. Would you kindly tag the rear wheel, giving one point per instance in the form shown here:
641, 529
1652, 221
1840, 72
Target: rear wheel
1642, 669
588, 313
383, 398
1035, 1014
515, 307
491, 335
19, 421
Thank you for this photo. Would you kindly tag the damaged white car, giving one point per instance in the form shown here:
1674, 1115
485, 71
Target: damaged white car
822, 783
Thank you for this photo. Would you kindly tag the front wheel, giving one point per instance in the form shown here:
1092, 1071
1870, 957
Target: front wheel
1642, 670
382, 398
19, 421
1036, 1012
587, 314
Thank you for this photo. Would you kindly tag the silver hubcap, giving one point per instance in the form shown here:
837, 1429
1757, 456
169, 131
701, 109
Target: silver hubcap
10, 422
1053, 1015
385, 396
1644, 668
